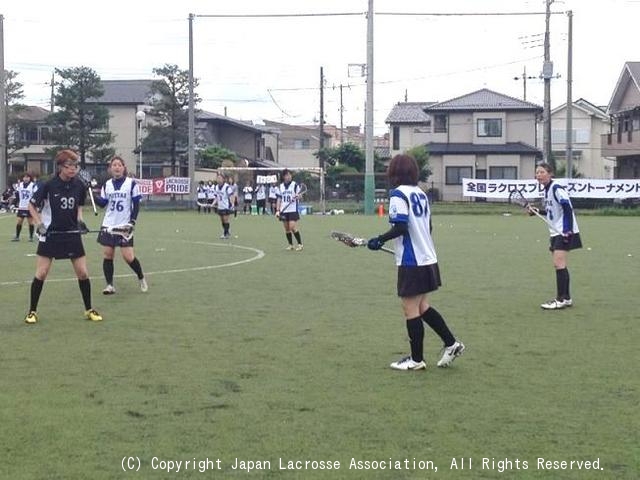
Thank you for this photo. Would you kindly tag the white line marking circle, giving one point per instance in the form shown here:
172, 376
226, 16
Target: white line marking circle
258, 255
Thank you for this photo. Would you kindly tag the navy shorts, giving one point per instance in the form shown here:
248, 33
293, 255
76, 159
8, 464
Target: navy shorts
107, 239
225, 212
23, 214
61, 245
290, 217
418, 280
559, 242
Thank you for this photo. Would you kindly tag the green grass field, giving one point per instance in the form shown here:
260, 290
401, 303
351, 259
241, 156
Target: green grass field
244, 350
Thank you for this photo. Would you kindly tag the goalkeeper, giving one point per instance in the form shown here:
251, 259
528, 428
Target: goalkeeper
121, 197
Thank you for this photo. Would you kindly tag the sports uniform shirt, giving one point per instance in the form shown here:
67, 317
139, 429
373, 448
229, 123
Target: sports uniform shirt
409, 204
224, 193
559, 209
286, 193
119, 194
210, 192
201, 192
24, 192
248, 192
273, 192
261, 194
59, 202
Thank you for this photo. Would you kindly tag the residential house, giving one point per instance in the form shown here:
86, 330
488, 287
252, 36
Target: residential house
298, 143
32, 131
125, 98
623, 139
589, 123
483, 134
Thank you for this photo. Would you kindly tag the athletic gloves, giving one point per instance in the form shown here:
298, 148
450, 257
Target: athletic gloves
375, 243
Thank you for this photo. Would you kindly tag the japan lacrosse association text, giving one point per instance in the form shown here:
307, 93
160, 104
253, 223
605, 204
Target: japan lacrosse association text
248, 465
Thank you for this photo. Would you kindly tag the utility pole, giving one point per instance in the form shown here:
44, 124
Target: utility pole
3, 113
369, 179
192, 119
341, 118
547, 73
569, 145
321, 139
53, 92
524, 79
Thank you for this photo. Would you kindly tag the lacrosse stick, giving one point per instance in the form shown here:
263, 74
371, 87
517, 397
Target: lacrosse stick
353, 241
518, 198
125, 231
302, 189
89, 183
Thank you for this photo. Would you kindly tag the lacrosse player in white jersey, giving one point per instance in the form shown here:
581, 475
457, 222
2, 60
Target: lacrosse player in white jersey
224, 199
560, 214
247, 195
121, 197
287, 209
201, 195
273, 197
24, 192
418, 273
234, 191
261, 198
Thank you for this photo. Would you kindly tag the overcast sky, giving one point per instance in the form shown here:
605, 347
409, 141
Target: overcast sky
269, 68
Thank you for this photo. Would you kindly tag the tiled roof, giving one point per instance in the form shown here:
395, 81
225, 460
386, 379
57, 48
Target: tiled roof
514, 148
123, 92
409, 112
31, 113
484, 99
215, 117
634, 70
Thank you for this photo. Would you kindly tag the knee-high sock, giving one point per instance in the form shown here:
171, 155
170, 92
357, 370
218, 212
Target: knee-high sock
107, 268
562, 283
136, 267
31, 229
18, 229
432, 318
415, 329
289, 238
298, 237
36, 290
85, 289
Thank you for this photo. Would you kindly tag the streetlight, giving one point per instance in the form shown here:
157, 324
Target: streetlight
140, 117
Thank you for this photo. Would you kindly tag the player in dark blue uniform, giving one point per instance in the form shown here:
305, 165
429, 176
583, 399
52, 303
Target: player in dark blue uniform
56, 210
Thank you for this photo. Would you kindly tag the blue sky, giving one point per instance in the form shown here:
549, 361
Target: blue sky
269, 68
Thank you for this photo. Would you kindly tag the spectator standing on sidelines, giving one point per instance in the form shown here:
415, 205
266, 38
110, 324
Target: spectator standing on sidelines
25, 191
261, 198
247, 195
273, 197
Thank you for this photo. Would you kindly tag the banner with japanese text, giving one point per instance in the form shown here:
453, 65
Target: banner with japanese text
576, 187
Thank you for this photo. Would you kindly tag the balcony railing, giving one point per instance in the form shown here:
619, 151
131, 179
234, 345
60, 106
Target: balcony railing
619, 144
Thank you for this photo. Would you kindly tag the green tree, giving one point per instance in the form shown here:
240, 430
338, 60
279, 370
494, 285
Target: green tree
561, 170
80, 122
421, 154
213, 155
13, 93
169, 134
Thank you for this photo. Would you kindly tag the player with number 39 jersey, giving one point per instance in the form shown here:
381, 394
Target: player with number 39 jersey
418, 272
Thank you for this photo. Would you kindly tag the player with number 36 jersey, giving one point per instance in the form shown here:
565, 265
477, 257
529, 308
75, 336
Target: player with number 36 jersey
120, 196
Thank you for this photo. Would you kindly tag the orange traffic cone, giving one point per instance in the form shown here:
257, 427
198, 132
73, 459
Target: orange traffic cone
381, 210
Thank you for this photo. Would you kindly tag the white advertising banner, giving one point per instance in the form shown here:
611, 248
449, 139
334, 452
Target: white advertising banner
576, 187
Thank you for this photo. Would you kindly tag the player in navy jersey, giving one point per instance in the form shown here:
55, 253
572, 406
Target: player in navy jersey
24, 192
560, 214
55, 208
418, 273
287, 209
121, 197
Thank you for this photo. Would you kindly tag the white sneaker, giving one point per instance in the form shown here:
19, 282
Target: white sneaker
143, 285
290, 247
109, 290
556, 304
407, 363
568, 302
450, 353
299, 247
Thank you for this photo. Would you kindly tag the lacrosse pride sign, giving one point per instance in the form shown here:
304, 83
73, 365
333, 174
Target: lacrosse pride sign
576, 187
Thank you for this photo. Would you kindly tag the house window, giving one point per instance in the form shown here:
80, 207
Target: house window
30, 134
489, 127
454, 175
301, 144
440, 124
504, 173
396, 138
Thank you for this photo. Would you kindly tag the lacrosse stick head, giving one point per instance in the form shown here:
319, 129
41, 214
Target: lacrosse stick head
85, 177
348, 239
516, 197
